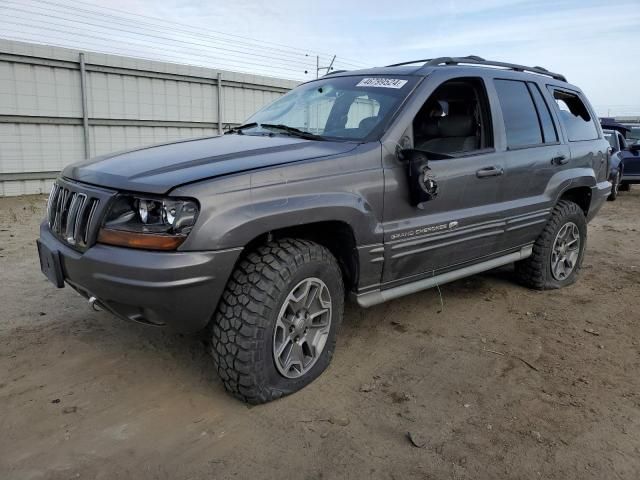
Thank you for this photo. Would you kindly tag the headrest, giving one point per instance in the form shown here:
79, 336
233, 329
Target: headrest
368, 123
456, 126
429, 128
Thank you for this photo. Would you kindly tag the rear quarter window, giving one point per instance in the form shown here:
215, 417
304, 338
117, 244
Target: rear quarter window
575, 116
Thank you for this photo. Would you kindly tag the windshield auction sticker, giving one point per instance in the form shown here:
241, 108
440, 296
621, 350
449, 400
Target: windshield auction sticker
381, 82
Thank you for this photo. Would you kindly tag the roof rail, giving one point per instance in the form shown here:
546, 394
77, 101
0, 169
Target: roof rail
334, 72
475, 60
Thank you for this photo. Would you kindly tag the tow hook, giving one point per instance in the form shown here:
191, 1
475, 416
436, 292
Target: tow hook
95, 304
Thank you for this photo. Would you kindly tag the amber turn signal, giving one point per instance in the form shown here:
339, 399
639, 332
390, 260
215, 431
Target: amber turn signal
149, 241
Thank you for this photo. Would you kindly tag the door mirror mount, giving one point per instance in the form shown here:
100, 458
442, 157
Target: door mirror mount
422, 183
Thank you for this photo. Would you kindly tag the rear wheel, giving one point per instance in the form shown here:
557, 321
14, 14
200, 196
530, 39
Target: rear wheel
275, 328
558, 252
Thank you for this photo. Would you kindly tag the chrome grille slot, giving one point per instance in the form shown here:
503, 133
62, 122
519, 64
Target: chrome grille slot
81, 204
71, 215
90, 215
53, 197
75, 203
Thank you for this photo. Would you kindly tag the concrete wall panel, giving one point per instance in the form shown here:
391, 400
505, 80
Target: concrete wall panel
130, 103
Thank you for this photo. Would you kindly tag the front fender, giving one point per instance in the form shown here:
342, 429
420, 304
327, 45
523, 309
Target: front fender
242, 220
236, 210
615, 165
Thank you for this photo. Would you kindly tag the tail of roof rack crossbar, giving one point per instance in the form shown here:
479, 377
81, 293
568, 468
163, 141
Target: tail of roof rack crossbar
334, 72
475, 60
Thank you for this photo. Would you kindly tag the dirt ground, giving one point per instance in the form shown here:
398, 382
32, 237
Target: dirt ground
496, 382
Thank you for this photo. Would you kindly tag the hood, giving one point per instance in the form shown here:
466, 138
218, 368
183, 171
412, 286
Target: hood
159, 168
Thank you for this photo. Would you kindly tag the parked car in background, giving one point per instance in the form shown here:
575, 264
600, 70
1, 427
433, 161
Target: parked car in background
618, 146
631, 166
627, 147
609, 123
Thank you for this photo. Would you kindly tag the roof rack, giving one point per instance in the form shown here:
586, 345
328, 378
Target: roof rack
334, 72
475, 60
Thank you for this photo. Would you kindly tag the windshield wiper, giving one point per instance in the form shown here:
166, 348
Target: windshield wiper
296, 132
271, 126
239, 129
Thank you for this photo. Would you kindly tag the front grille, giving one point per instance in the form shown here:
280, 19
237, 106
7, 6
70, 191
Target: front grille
72, 214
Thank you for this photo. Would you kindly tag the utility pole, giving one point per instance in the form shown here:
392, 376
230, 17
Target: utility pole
318, 67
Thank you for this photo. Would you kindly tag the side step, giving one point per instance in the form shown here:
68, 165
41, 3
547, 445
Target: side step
381, 296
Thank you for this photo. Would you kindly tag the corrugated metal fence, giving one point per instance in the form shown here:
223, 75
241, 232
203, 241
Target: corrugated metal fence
59, 106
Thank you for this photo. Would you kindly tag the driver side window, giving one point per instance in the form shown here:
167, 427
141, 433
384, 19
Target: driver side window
455, 119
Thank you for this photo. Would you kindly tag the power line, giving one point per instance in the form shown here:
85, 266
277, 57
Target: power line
286, 56
296, 64
223, 64
172, 24
132, 42
276, 59
134, 54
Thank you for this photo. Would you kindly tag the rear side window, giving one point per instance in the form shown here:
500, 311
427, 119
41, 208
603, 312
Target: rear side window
575, 116
519, 113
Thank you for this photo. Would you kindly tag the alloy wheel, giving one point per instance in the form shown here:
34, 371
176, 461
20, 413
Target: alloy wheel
302, 328
565, 251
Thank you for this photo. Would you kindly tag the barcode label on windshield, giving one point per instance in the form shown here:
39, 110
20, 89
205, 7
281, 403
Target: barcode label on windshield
381, 82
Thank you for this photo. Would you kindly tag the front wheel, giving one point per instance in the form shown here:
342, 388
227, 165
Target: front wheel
558, 252
275, 329
615, 185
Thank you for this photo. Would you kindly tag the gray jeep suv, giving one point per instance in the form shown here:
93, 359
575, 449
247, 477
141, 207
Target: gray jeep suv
376, 183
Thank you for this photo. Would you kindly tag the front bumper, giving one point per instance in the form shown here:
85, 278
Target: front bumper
599, 195
179, 290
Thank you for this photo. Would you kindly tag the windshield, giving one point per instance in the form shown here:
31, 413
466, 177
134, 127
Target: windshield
349, 108
634, 135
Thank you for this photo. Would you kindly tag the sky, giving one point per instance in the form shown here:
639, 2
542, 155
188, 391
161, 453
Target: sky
594, 44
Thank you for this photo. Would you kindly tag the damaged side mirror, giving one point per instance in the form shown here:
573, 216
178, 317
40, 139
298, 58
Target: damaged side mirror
422, 184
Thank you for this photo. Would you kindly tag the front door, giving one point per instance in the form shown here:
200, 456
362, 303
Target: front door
462, 223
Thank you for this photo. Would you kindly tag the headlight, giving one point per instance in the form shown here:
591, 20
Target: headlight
151, 223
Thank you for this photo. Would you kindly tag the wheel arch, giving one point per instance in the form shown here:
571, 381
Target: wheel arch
575, 185
580, 195
335, 235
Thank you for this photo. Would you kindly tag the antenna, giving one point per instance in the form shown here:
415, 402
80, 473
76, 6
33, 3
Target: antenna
318, 67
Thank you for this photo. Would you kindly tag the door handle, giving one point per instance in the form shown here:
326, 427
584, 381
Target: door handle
560, 160
489, 172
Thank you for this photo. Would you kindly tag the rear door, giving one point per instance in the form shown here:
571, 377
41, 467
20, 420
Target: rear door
534, 154
581, 128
